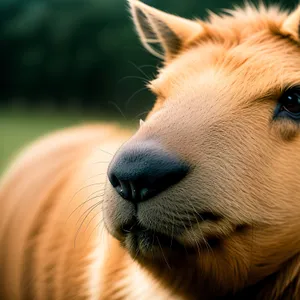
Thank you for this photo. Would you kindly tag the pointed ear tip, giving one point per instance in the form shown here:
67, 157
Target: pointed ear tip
134, 2
292, 18
138, 4
291, 25
131, 3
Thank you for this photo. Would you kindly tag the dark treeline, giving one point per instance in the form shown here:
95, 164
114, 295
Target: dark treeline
81, 53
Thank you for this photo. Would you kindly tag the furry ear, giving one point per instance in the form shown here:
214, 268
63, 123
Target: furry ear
162, 30
291, 26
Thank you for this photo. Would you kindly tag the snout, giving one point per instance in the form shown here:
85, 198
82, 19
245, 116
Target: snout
142, 171
139, 174
149, 203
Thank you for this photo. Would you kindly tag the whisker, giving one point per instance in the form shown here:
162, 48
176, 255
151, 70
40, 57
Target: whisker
139, 69
153, 235
172, 232
97, 225
118, 108
184, 229
196, 214
89, 211
92, 184
136, 254
191, 225
147, 66
138, 116
134, 94
132, 77
89, 199
95, 175
88, 224
162, 252
104, 151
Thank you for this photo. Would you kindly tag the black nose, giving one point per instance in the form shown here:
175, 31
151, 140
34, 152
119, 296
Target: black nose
143, 170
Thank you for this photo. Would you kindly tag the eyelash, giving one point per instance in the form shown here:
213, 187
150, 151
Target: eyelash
288, 105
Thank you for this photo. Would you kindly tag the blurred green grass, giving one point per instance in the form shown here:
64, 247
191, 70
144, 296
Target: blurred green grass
18, 129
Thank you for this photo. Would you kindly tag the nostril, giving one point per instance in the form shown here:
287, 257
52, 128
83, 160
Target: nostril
129, 191
124, 189
119, 190
145, 193
140, 172
114, 180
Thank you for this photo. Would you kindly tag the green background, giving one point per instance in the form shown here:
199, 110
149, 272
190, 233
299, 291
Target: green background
69, 61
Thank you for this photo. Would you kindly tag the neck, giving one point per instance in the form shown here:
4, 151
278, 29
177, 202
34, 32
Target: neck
284, 284
123, 278
132, 281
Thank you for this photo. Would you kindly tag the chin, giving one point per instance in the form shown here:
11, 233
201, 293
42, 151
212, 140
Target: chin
144, 244
148, 235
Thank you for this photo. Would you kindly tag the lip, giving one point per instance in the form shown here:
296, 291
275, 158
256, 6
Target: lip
147, 243
134, 225
142, 242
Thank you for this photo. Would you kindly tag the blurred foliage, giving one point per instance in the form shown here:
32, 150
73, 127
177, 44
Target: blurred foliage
69, 61
81, 54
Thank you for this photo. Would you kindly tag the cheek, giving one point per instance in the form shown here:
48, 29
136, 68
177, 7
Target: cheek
286, 130
286, 175
116, 211
235, 169
235, 162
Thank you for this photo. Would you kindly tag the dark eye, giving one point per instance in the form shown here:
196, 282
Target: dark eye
289, 104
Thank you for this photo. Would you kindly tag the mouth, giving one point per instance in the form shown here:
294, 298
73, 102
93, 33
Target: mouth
151, 232
148, 244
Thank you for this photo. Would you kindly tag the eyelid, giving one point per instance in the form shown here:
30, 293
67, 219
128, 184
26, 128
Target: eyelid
278, 93
280, 113
289, 88
292, 87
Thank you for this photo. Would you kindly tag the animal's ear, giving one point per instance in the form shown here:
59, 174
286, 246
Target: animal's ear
161, 30
291, 26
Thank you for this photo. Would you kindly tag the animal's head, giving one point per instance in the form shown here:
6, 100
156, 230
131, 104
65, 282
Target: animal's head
211, 178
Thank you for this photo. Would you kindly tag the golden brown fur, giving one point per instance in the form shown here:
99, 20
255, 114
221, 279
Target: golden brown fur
216, 96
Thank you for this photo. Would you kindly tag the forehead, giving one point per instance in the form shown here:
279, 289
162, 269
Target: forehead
262, 63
